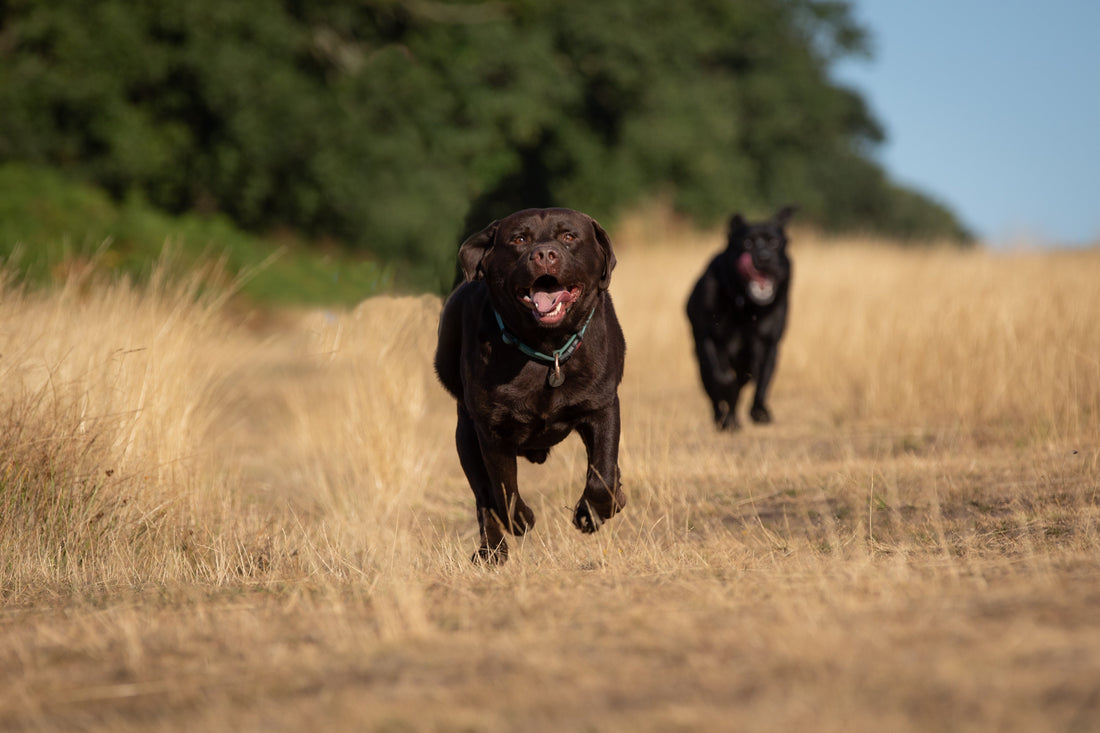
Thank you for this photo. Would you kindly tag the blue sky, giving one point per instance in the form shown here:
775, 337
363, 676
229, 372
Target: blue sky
993, 108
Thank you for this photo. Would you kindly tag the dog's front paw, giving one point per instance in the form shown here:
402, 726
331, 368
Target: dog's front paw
729, 422
590, 513
760, 414
522, 518
486, 555
584, 519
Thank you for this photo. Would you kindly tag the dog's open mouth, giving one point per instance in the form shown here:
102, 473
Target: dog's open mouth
761, 286
549, 300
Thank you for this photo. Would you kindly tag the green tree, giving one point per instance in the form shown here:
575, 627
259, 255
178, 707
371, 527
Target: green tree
399, 126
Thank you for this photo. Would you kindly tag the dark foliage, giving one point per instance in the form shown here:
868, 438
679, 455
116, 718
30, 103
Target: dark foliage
400, 126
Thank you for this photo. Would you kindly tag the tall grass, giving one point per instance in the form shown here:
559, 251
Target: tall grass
106, 391
215, 519
935, 336
151, 438
981, 340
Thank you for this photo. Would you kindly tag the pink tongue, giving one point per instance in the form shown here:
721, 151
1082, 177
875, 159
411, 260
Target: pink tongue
744, 263
546, 300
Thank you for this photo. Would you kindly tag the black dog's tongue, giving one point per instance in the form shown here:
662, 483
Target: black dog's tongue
744, 263
761, 288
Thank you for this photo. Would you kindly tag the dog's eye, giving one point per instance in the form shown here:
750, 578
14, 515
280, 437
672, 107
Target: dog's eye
568, 237
518, 239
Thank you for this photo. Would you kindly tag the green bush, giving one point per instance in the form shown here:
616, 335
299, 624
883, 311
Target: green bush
399, 127
48, 222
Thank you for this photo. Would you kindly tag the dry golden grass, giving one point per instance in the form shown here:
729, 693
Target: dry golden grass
213, 524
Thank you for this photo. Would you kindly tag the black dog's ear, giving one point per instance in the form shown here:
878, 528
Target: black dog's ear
736, 229
608, 254
784, 215
472, 252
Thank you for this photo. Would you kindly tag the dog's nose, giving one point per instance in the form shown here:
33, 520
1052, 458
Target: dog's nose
545, 256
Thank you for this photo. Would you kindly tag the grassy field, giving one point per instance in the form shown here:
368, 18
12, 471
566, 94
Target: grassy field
223, 521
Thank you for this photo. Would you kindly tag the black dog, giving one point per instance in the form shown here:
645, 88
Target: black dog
738, 311
531, 348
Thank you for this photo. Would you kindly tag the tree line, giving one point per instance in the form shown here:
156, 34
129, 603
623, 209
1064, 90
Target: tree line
397, 126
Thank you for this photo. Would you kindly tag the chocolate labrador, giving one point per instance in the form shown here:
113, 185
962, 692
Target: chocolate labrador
738, 312
530, 346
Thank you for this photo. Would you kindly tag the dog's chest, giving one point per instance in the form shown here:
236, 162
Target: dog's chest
529, 409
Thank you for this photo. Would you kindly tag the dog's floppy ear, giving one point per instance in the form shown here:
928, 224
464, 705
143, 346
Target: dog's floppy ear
472, 252
784, 215
608, 254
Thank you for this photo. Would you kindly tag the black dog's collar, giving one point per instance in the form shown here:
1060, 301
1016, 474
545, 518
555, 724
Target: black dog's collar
558, 356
